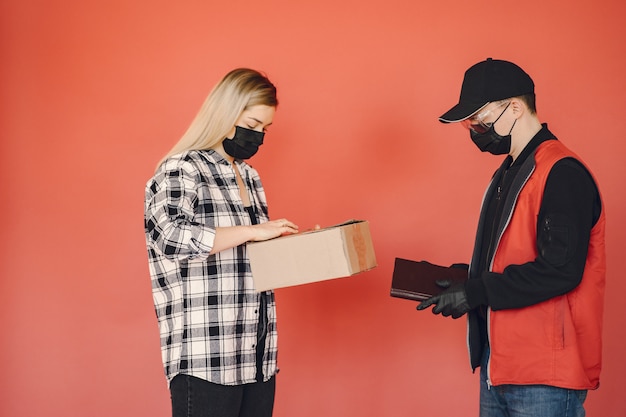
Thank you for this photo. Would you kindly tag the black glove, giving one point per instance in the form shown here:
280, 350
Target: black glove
451, 302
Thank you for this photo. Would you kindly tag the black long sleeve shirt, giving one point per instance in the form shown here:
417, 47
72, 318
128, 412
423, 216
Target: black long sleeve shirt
570, 208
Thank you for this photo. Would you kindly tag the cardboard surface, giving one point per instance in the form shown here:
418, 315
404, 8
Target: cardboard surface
333, 252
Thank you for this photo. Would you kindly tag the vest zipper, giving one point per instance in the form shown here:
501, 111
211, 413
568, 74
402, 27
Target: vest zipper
489, 341
490, 268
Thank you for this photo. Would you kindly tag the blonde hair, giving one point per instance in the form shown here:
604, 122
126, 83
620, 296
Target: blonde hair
240, 89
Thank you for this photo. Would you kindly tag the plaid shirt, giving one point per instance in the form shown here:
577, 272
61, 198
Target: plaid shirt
206, 305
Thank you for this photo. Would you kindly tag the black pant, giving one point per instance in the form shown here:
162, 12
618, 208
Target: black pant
195, 397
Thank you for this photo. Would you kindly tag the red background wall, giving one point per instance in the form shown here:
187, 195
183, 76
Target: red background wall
93, 93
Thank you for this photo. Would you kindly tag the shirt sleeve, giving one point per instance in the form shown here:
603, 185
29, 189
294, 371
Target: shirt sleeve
569, 209
169, 213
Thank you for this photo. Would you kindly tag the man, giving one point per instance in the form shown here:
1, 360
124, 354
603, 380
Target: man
534, 297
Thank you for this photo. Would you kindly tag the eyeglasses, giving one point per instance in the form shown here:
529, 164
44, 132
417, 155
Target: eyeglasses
477, 122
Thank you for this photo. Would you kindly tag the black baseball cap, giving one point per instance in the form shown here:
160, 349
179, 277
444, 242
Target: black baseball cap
487, 81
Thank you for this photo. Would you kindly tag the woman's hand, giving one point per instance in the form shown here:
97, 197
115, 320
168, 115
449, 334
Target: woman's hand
272, 229
229, 237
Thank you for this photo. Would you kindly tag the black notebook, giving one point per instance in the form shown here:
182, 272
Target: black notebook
416, 280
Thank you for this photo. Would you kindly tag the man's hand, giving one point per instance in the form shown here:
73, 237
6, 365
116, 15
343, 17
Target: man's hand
451, 302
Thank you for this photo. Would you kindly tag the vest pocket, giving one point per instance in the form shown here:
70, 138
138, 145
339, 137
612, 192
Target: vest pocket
554, 240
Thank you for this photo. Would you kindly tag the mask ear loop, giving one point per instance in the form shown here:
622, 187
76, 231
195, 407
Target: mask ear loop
485, 125
498, 118
514, 121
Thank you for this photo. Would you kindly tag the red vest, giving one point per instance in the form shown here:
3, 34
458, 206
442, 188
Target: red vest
557, 342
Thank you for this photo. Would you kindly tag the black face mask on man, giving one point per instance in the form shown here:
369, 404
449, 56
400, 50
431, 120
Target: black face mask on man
244, 144
492, 142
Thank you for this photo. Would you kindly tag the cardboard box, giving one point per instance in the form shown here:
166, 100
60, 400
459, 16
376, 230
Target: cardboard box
333, 252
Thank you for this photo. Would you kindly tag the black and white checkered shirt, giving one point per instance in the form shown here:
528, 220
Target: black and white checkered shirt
206, 306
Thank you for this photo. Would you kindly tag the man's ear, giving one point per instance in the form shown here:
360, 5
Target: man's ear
518, 107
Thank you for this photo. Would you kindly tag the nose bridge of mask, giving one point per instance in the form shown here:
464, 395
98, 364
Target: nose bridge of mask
249, 135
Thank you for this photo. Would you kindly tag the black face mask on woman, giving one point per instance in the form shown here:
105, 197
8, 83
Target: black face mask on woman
244, 144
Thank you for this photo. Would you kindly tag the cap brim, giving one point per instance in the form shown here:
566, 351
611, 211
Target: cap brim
461, 112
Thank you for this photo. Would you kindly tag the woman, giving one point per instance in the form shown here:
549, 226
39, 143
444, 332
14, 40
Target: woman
218, 336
